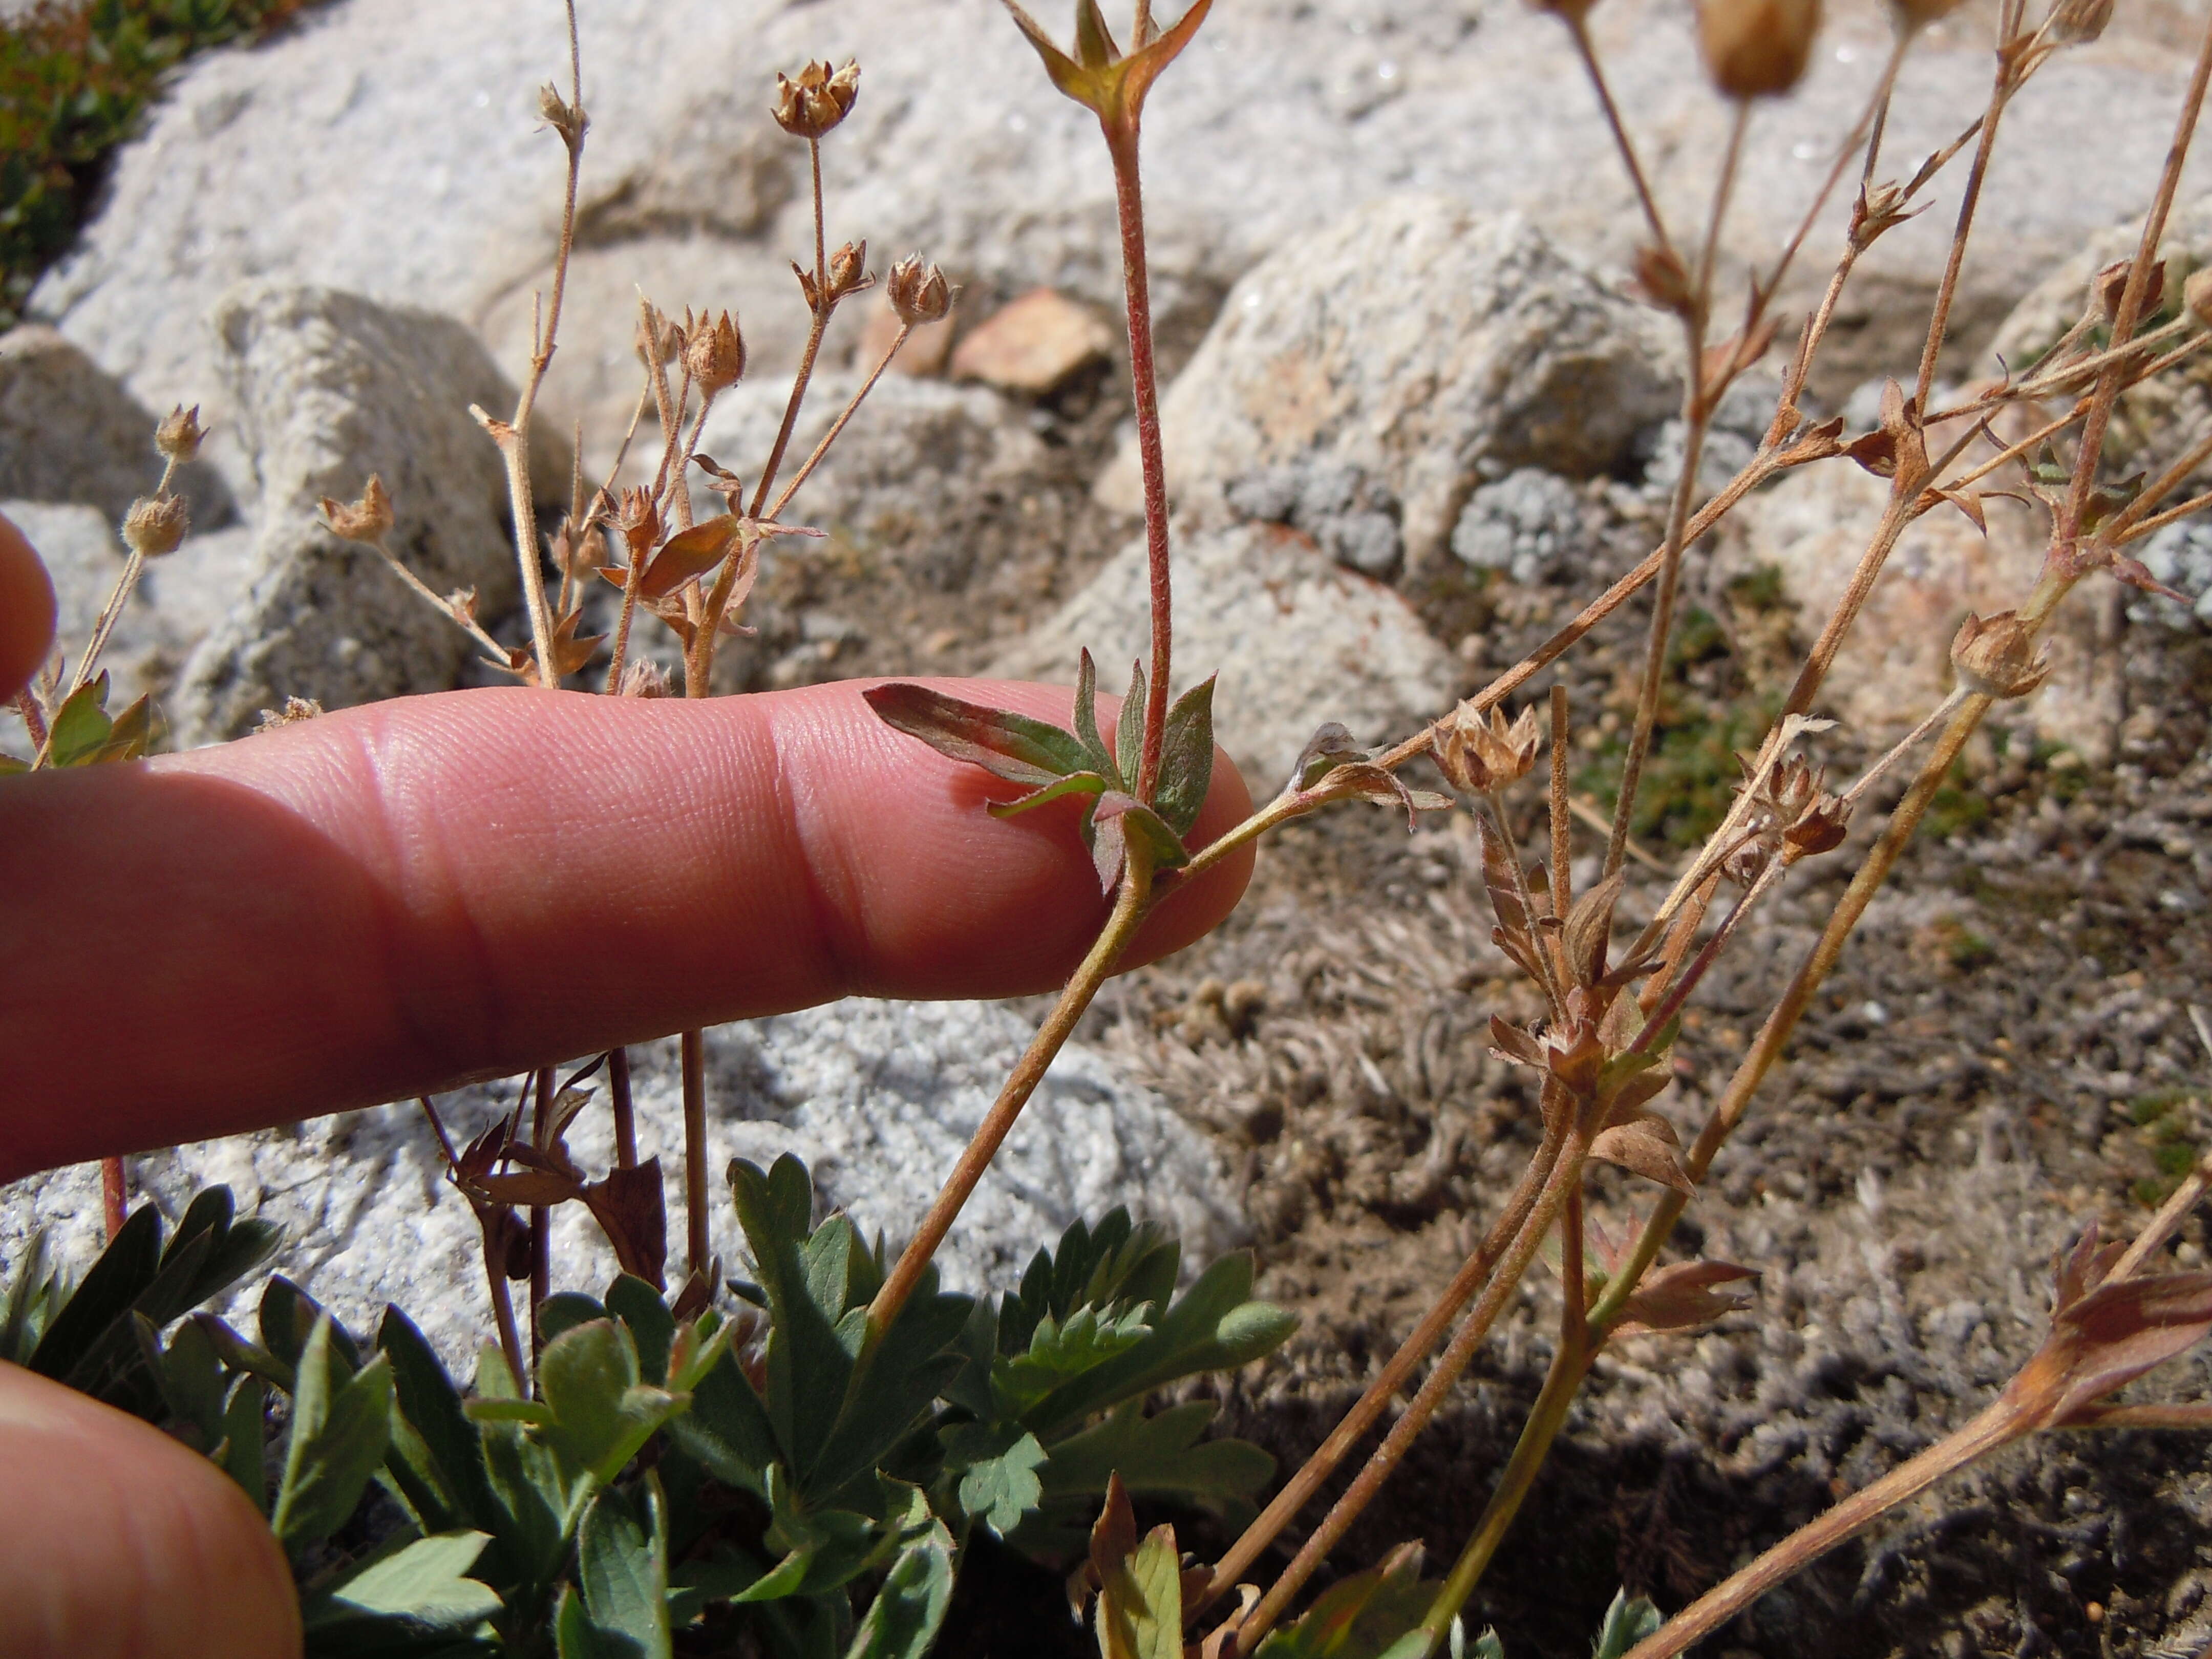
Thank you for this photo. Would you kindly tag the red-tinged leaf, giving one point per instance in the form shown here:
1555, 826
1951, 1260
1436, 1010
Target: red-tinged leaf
1075, 783
1109, 852
631, 1209
688, 554
1363, 779
485, 1150
2082, 1269
129, 739
1186, 758
2135, 574
2113, 1335
1139, 819
1330, 747
1094, 41
1006, 744
1086, 720
1498, 876
527, 1188
1084, 86
1129, 730
1682, 1296
1113, 1534
1144, 67
1647, 1147
1509, 1041
1589, 924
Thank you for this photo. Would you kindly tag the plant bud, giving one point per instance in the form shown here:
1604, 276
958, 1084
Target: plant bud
368, 519
2076, 22
178, 437
848, 270
1996, 657
639, 520
155, 524
2111, 285
659, 339
714, 352
817, 100
1757, 48
1479, 758
918, 292
564, 117
2197, 295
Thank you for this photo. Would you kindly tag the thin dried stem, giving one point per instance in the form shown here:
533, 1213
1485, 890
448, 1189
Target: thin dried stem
114, 1196
2151, 526
698, 1221
837, 427
444, 607
1561, 810
1578, 30
625, 1111
825, 305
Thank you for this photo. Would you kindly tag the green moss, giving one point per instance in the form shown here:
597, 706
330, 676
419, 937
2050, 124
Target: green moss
2148, 1108
1957, 807
1968, 950
2150, 1193
73, 80
1761, 590
2175, 1158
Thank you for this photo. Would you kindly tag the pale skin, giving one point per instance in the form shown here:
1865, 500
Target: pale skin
388, 901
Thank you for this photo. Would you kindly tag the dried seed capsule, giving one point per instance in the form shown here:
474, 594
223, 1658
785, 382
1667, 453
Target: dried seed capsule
1997, 656
1757, 48
918, 291
848, 270
639, 520
2076, 22
658, 339
155, 524
714, 352
178, 437
817, 99
368, 519
1479, 757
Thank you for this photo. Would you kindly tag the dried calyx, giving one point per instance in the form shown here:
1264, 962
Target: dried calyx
178, 437
368, 519
817, 99
1995, 656
918, 291
1479, 756
713, 352
1757, 48
155, 525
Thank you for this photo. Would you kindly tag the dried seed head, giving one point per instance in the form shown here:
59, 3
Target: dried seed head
1479, 757
1757, 48
659, 338
155, 524
178, 437
2111, 285
368, 519
1879, 208
1997, 656
1918, 13
1820, 827
642, 678
849, 268
1661, 279
639, 520
713, 351
2197, 295
564, 117
2075, 22
294, 710
817, 99
578, 547
918, 291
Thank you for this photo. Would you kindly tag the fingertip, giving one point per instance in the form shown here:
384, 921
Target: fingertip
26, 611
119, 1542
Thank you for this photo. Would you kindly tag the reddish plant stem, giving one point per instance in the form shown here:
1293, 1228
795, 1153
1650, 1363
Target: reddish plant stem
625, 1112
1144, 381
698, 1236
541, 1216
113, 1197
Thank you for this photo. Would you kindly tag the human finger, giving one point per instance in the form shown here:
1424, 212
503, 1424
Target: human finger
26, 612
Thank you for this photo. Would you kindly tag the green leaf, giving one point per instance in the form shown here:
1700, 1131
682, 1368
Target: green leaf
1075, 783
888, 1398
1370, 1615
451, 1452
652, 1326
622, 1557
1001, 1490
80, 726
1086, 720
36, 1293
1129, 730
904, 1619
602, 1413
128, 738
1159, 1457
696, 1584
1187, 759
823, 1549
241, 1452
562, 1311
422, 1585
10, 766
1009, 745
1059, 1353
1139, 1613
1135, 818
289, 1315
808, 1364
192, 1384
125, 1268
1626, 1623
340, 1427
727, 1428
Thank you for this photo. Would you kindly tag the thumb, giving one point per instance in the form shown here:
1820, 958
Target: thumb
116, 1542
26, 612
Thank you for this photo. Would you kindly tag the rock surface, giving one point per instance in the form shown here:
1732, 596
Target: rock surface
328, 388
391, 148
1429, 346
1034, 344
1295, 637
878, 1098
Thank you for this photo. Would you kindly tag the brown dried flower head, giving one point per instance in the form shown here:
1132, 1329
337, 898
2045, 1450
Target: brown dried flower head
294, 710
713, 352
1820, 827
639, 520
659, 336
368, 519
817, 99
564, 117
1757, 48
918, 292
178, 437
155, 524
1480, 756
2111, 284
643, 678
849, 268
2076, 22
1997, 656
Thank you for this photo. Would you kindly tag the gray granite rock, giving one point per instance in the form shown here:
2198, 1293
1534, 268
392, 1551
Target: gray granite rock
1342, 509
326, 389
1430, 347
1528, 524
394, 148
1295, 638
878, 1097
2180, 556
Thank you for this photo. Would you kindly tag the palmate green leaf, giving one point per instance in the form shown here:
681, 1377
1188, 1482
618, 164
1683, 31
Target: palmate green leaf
1186, 758
288, 1317
727, 1428
1011, 746
808, 1363
999, 1486
192, 1385
1627, 1621
603, 1412
341, 1425
411, 1586
1369, 1615
1159, 1457
533, 1498
1058, 1353
904, 1619
1108, 1266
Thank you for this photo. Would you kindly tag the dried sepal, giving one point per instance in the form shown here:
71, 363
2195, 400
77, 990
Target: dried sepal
1683, 1296
918, 292
1479, 755
1997, 656
638, 519
294, 710
811, 103
1881, 208
2196, 296
1757, 48
2077, 22
1647, 1145
368, 520
155, 525
2106, 1332
1587, 927
1897, 445
713, 352
177, 436
1663, 281
848, 268
644, 678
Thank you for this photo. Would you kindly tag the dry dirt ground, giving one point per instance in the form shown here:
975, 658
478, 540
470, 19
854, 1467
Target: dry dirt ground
2003, 1058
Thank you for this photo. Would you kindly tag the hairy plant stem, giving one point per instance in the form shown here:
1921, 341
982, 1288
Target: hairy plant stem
825, 305
1947, 291
1132, 903
2005, 1419
625, 1111
837, 427
1473, 1275
35, 720
1144, 382
1565, 1171
698, 1233
113, 1194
